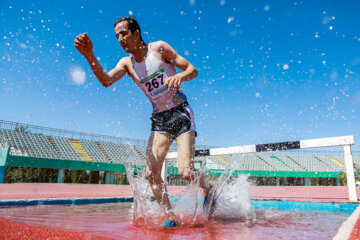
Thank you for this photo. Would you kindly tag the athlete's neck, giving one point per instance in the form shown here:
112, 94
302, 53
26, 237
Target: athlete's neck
140, 52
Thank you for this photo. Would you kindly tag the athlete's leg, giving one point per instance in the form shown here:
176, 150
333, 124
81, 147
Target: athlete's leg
186, 155
156, 151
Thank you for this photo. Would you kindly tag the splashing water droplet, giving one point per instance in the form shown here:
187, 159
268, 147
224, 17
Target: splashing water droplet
78, 75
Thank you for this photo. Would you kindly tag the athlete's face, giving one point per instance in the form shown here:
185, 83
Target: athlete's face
126, 38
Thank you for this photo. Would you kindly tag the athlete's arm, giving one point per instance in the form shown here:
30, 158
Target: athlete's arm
84, 45
169, 55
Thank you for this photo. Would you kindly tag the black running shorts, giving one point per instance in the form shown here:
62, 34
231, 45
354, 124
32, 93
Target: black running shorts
175, 121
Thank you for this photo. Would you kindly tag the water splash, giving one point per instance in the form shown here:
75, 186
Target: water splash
146, 211
78, 75
189, 206
149, 214
233, 200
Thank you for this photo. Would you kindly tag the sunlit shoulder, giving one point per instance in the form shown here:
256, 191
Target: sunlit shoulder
166, 52
158, 45
123, 62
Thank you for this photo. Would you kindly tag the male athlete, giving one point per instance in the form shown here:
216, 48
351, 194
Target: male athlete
152, 67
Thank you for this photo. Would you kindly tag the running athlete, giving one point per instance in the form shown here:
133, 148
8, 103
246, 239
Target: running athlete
152, 67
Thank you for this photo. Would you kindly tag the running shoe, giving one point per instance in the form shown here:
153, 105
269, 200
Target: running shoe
171, 222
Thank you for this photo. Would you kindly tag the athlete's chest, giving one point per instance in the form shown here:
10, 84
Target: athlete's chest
147, 67
150, 76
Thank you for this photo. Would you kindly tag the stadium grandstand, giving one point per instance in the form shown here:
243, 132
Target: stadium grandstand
24, 145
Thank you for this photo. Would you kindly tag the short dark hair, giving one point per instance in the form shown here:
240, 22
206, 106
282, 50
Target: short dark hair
132, 24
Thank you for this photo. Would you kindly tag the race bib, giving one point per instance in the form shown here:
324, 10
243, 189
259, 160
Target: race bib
154, 84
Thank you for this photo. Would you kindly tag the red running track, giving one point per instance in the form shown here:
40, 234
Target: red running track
66, 191
16, 231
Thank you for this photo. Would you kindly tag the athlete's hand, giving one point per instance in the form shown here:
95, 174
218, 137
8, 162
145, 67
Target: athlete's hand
173, 82
83, 44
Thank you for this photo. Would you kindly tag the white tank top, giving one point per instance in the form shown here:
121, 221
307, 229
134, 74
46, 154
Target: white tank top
150, 76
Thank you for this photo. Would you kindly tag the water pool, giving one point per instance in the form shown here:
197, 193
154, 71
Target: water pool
114, 220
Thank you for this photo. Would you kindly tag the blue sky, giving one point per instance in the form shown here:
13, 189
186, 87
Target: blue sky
268, 70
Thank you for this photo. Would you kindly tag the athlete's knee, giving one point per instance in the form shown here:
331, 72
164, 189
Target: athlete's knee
149, 174
156, 154
185, 173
